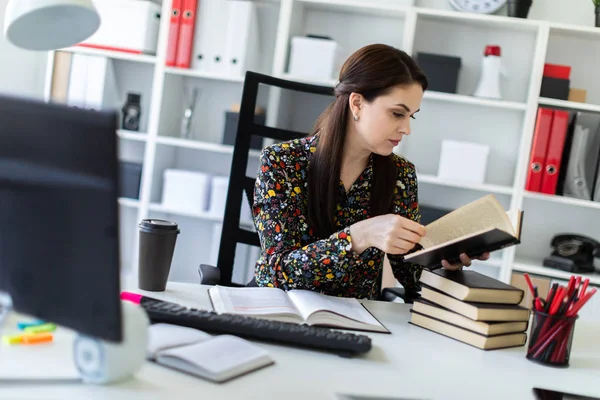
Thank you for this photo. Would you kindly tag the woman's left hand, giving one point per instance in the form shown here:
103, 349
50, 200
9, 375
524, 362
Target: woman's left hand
465, 261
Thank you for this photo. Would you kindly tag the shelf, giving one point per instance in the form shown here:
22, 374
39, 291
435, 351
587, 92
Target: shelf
206, 216
313, 81
429, 95
498, 189
365, 7
125, 202
478, 20
583, 32
132, 135
477, 101
562, 200
118, 55
569, 104
535, 268
195, 73
199, 145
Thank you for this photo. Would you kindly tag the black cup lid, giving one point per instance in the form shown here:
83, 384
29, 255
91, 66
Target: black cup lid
158, 224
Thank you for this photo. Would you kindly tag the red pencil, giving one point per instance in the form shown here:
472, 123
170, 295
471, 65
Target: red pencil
586, 282
529, 283
550, 297
577, 283
580, 303
538, 304
571, 285
558, 299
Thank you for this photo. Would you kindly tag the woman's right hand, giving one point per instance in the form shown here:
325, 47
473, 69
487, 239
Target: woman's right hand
390, 233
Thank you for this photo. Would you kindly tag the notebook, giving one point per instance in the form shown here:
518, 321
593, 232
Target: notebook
215, 358
295, 306
470, 285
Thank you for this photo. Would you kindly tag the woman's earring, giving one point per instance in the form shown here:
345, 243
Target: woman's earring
355, 117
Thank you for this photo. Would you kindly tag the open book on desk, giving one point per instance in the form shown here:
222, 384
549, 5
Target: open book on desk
475, 228
295, 306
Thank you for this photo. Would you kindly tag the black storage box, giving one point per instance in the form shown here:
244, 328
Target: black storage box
441, 71
555, 88
231, 126
130, 178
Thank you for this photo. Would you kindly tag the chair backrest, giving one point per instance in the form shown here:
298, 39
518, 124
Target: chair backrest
232, 234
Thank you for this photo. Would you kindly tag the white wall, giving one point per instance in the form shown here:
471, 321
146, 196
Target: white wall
578, 12
21, 72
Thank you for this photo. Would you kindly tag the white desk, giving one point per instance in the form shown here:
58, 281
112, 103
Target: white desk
409, 363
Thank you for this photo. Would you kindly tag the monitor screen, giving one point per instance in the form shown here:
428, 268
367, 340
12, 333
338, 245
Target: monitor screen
59, 245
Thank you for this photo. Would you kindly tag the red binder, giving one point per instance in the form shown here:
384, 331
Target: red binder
186, 34
556, 144
537, 158
174, 32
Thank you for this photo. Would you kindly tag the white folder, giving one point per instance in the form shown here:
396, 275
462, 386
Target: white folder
78, 80
210, 36
242, 44
101, 92
92, 83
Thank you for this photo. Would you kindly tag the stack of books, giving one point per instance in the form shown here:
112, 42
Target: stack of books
472, 308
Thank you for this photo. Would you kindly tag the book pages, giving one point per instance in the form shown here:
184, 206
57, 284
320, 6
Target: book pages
480, 215
251, 301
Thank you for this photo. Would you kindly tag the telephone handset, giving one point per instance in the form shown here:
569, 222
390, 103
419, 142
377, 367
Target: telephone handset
573, 253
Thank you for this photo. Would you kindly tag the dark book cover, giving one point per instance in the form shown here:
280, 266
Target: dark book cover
473, 279
473, 246
522, 334
476, 304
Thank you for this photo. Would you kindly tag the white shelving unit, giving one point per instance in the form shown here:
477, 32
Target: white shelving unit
505, 125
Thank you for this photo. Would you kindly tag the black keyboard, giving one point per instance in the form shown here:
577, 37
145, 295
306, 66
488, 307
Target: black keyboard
319, 338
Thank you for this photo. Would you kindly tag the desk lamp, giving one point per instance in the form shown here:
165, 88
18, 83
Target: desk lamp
49, 24
45, 25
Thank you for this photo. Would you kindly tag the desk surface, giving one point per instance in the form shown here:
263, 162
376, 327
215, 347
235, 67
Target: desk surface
409, 363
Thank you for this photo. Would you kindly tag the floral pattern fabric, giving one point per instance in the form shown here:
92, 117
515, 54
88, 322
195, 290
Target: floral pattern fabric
292, 258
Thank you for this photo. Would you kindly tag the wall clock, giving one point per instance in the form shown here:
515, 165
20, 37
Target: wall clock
478, 6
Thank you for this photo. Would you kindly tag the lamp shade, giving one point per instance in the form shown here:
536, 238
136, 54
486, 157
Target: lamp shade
49, 24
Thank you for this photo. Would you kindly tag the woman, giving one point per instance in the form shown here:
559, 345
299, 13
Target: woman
329, 206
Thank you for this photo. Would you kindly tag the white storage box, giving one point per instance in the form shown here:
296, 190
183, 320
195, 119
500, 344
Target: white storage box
186, 191
218, 195
463, 161
315, 58
218, 199
126, 25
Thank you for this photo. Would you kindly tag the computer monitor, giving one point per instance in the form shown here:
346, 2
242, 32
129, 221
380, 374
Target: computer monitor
59, 225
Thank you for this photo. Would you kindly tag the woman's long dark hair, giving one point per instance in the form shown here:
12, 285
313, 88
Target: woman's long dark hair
371, 71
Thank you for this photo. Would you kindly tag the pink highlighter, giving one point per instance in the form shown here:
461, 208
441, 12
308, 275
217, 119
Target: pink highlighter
137, 298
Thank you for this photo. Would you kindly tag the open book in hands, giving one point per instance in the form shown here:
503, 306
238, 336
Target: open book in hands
475, 228
296, 306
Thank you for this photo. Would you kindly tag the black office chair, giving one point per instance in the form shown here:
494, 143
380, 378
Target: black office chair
232, 234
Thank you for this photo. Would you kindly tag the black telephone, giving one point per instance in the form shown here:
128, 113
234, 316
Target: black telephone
573, 253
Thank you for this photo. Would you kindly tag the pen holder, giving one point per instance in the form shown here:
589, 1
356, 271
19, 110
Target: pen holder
550, 339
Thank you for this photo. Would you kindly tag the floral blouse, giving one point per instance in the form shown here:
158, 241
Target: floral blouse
292, 258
